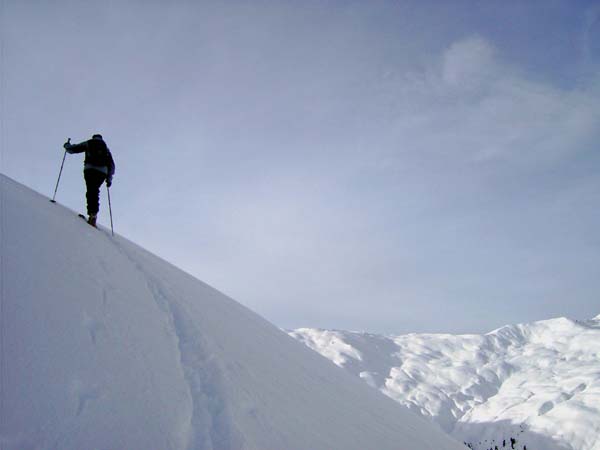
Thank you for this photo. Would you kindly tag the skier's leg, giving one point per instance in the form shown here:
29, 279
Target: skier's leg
93, 181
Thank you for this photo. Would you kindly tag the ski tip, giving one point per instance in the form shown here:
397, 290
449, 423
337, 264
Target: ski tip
52, 201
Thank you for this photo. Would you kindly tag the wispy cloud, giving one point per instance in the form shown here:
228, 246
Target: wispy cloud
452, 153
476, 107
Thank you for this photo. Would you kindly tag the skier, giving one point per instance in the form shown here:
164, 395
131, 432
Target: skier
98, 167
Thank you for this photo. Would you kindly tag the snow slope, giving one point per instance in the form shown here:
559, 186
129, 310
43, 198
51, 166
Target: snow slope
104, 345
538, 382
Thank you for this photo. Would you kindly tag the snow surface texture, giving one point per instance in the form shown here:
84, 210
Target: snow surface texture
104, 345
538, 382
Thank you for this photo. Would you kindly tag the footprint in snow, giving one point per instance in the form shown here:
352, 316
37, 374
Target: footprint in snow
93, 326
545, 408
84, 394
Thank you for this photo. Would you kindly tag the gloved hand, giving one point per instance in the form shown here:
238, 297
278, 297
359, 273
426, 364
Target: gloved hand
109, 182
67, 144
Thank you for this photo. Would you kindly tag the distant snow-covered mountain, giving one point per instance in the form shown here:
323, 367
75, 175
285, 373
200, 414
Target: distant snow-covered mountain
538, 383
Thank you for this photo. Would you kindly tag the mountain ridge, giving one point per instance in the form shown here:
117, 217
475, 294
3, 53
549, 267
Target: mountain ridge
540, 381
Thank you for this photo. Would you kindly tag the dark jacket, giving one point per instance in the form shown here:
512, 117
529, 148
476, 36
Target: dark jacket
97, 156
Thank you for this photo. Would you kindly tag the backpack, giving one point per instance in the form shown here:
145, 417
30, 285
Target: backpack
97, 153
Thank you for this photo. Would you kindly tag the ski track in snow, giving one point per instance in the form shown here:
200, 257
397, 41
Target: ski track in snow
209, 426
105, 345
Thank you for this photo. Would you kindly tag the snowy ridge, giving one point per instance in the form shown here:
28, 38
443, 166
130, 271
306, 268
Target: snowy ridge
105, 345
538, 382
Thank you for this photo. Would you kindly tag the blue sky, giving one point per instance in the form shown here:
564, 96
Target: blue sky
391, 166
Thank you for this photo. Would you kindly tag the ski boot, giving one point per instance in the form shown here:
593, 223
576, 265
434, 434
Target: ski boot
92, 220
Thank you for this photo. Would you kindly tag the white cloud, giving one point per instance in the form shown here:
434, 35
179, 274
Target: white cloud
476, 107
468, 63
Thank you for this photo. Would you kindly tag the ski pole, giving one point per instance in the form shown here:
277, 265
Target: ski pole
110, 211
59, 174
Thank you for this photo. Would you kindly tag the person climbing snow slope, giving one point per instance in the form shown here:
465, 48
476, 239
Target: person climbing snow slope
98, 166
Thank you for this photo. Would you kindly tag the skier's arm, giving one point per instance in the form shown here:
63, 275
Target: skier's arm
77, 148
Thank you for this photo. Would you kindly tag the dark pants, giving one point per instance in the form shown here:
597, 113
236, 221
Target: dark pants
93, 181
